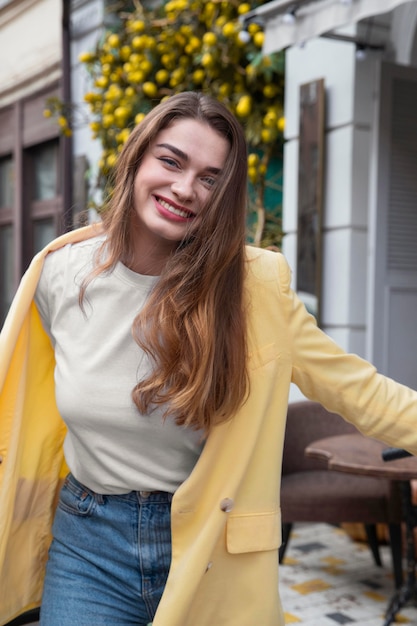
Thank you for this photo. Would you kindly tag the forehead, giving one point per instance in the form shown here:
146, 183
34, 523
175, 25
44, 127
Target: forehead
197, 139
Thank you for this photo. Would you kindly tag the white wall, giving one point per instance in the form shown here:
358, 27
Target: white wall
86, 29
350, 103
30, 52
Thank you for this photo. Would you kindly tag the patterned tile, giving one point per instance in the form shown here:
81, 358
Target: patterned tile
332, 581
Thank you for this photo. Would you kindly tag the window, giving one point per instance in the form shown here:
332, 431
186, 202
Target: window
6, 270
43, 204
6, 235
31, 172
6, 182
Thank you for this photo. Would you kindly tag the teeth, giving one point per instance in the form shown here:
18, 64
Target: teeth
174, 210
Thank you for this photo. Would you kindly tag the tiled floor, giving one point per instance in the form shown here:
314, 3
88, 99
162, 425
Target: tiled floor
329, 580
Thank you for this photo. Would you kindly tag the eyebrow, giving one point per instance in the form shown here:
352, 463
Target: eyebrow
182, 155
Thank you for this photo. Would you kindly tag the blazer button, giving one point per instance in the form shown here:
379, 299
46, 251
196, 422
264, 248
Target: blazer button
227, 505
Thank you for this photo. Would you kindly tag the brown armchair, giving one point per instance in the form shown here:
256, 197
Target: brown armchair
312, 493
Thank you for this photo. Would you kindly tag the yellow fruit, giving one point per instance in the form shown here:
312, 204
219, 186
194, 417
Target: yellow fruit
139, 117
136, 77
207, 60
228, 29
258, 39
106, 69
195, 43
250, 71
150, 89
139, 42
210, 39
243, 8
270, 119
114, 41
111, 160
107, 120
270, 91
146, 66
176, 77
252, 174
150, 43
253, 159
125, 52
267, 135
90, 97
86, 57
244, 106
225, 90
121, 113
136, 58
95, 126
186, 29
161, 77
47, 113
107, 108
101, 82
168, 61
281, 124
123, 135
106, 58
198, 76
138, 26
253, 28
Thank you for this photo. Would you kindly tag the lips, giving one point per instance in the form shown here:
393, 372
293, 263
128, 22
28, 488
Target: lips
174, 209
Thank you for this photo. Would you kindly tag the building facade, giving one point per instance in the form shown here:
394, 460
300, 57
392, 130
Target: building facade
367, 60
44, 174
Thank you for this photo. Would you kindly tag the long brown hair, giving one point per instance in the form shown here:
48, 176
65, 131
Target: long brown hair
193, 326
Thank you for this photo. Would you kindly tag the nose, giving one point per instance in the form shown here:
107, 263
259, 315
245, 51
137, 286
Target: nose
184, 188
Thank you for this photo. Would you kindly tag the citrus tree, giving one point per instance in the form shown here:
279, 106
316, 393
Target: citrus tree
190, 45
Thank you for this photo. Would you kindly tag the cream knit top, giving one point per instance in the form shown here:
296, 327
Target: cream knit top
109, 447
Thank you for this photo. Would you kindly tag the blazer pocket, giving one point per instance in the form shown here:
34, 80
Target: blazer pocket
253, 532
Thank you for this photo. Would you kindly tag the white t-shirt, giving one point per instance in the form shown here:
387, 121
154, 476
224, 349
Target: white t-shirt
109, 447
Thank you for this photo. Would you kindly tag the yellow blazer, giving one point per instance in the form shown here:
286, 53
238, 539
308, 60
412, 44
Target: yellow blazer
226, 522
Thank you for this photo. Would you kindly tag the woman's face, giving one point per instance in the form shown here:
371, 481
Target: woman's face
175, 179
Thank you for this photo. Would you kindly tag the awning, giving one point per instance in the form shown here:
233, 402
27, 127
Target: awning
289, 22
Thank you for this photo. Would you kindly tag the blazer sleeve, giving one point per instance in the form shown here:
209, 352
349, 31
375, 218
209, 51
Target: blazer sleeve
345, 383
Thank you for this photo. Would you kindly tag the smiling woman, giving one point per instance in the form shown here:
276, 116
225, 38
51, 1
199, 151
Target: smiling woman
167, 347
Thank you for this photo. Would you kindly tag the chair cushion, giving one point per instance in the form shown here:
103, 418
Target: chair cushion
336, 497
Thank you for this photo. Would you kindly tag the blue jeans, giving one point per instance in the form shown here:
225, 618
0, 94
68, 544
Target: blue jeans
109, 558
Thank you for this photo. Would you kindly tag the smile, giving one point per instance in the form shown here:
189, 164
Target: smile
175, 210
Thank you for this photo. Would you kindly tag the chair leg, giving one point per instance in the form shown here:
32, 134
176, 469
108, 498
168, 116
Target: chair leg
373, 542
286, 531
396, 544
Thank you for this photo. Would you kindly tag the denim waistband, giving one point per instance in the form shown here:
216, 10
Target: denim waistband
141, 496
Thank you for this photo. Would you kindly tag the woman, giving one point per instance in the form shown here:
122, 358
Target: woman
175, 346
